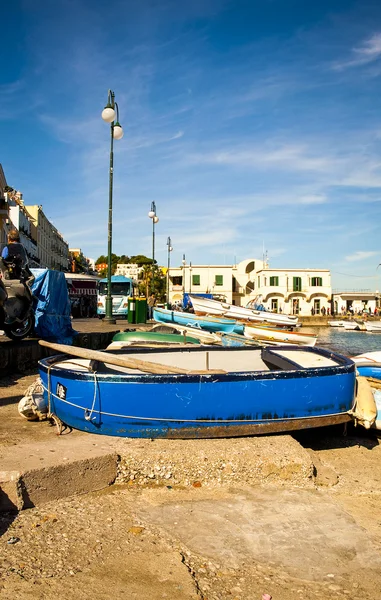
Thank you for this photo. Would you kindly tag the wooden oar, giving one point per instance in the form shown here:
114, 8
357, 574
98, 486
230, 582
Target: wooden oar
131, 363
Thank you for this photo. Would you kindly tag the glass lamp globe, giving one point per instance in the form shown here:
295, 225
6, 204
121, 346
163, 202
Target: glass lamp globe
156, 219
108, 114
151, 214
117, 132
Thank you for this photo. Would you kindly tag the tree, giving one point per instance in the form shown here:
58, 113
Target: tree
140, 260
152, 280
102, 259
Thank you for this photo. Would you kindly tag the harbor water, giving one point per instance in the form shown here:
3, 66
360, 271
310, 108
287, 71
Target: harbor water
345, 342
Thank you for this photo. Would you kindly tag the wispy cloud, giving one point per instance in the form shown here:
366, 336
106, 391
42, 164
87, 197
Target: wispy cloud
359, 255
369, 52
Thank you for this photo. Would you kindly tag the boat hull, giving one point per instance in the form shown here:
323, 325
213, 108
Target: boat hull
200, 406
161, 315
206, 306
279, 335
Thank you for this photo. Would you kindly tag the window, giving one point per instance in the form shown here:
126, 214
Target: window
274, 304
274, 281
259, 281
219, 279
316, 281
195, 279
317, 306
297, 284
177, 280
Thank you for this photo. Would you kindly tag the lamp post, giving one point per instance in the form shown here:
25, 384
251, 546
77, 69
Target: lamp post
184, 263
190, 277
155, 219
109, 113
169, 264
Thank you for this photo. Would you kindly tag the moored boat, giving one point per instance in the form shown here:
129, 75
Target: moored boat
196, 392
368, 364
373, 326
149, 338
207, 306
205, 337
209, 323
279, 335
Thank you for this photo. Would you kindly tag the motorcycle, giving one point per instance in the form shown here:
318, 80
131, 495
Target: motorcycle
16, 302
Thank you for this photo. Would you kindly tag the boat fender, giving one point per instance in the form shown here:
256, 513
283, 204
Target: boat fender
364, 410
33, 406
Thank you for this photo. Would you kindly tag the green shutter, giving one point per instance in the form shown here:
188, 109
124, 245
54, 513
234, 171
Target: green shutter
219, 279
195, 279
274, 281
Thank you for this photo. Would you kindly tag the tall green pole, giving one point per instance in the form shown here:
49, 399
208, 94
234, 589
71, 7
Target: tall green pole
109, 318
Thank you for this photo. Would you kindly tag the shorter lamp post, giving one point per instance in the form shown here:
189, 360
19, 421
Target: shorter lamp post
190, 277
184, 263
109, 113
169, 264
155, 219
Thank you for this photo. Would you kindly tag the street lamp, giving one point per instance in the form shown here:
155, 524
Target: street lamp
108, 115
155, 219
169, 264
190, 277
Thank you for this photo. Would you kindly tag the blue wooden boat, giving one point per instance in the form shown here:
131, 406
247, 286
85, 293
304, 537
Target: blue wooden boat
198, 392
162, 315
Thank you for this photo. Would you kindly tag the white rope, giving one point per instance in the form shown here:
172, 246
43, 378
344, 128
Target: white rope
215, 421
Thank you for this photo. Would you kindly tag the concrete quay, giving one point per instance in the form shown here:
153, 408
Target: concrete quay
294, 517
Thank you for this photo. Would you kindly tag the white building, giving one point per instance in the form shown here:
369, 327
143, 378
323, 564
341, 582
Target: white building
291, 291
130, 270
356, 302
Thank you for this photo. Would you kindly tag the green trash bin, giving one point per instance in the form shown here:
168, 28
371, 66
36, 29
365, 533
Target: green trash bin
141, 310
131, 310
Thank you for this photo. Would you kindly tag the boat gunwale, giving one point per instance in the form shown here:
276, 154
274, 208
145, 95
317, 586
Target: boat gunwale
345, 366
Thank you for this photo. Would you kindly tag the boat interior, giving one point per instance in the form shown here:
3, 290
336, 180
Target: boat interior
229, 360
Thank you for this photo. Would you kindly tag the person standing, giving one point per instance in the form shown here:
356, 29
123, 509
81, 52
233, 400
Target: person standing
151, 303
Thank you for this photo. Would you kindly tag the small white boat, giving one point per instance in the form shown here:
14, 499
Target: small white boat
373, 326
279, 335
354, 326
207, 306
336, 323
205, 337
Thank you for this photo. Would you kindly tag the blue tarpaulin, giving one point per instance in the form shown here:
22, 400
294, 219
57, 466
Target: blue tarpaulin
52, 306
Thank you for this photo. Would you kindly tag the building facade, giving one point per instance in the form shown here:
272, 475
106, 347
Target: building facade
290, 291
355, 302
130, 270
52, 249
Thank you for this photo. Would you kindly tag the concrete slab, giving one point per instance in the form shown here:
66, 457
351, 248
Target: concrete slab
299, 532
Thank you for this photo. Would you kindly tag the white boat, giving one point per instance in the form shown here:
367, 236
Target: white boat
205, 337
279, 335
354, 326
336, 323
207, 306
373, 326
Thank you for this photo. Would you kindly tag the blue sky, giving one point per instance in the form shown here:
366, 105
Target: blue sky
248, 122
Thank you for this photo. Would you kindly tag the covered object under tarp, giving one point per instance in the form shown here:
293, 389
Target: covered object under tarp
52, 306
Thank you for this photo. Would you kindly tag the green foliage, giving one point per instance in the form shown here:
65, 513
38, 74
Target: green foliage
101, 259
152, 280
140, 260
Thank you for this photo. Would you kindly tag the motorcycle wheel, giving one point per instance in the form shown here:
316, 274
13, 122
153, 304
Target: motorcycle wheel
18, 331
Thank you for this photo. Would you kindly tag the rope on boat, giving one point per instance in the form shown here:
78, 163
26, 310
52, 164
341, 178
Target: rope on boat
52, 416
166, 419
